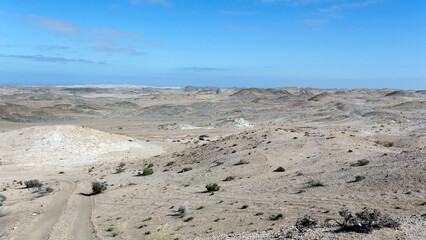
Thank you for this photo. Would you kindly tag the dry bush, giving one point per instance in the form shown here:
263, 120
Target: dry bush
366, 221
98, 187
33, 184
308, 221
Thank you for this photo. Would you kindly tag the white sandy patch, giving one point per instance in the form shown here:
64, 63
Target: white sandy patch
65, 144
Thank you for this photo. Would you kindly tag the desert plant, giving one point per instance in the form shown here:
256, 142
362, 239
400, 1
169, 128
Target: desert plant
365, 221
33, 184
170, 163
279, 169
307, 221
146, 172
98, 187
50, 189
212, 187
316, 183
186, 169
389, 144
183, 211
276, 217
229, 178
359, 178
120, 168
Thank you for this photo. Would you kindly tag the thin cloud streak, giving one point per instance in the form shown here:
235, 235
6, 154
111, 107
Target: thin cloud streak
53, 47
53, 24
41, 58
100, 39
130, 50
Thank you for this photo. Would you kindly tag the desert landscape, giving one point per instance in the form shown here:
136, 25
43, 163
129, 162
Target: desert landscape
136, 162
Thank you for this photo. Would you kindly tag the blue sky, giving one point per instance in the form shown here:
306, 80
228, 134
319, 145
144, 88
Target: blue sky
225, 43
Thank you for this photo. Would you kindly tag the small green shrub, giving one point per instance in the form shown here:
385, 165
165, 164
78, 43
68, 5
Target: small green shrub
389, 144
146, 172
212, 187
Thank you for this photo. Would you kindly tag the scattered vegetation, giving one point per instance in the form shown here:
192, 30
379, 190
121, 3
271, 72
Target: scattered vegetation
229, 178
170, 163
389, 144
120, 168
365, 221
183, 211
316, 183
98, 187
279, 169
276, 217
350, 150
146, 172
114, 230
308, 221
186, 169
358, 178
33, 184
212, 187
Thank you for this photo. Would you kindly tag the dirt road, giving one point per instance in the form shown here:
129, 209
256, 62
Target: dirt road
57, 222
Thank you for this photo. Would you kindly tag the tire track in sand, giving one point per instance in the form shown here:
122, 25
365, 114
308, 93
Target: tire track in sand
66, 197
42, 228
83, 225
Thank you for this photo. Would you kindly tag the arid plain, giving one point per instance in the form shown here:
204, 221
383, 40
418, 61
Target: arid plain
277, 155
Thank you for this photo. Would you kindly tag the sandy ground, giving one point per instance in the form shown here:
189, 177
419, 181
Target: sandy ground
70, 137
